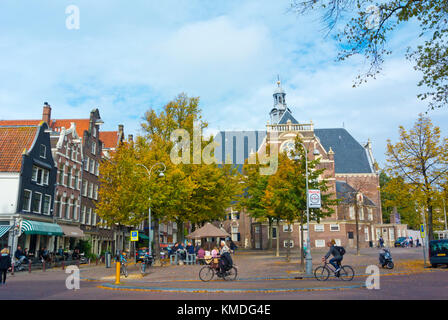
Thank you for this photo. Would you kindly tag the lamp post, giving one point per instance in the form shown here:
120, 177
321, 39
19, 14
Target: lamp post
148, 171
308, 258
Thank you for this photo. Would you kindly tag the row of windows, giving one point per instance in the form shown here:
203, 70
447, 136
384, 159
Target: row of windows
67, 209
290, 228
72, 153
89, 190
36, 202
361, 212
40, 176
92, 166
73, 177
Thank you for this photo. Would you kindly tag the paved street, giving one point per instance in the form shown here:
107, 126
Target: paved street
261, 276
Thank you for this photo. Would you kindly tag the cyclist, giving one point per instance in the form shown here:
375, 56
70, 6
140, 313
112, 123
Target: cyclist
225, 263
337, 257
123, 259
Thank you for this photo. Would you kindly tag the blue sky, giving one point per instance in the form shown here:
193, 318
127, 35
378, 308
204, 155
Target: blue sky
128, 57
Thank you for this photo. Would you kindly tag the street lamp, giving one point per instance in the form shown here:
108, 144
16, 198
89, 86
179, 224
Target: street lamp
149, 209
308, 258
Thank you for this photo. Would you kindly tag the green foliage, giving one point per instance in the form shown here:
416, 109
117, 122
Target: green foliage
368, 33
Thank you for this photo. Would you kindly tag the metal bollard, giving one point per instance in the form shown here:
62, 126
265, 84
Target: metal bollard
29, 267
117, 272
12, 269
43, 266
63, 265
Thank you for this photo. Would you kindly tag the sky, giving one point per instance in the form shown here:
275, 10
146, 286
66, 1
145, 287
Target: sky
130, 56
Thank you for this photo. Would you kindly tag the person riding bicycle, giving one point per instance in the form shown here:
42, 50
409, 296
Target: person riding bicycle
225, 263
123, 257
337, 257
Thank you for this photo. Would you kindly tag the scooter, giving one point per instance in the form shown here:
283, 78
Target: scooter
386, 259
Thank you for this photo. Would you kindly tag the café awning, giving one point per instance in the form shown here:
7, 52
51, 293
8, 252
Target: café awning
4, 229
42, 228
72, 231
208, 231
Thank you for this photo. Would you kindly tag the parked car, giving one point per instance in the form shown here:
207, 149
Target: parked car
400, 242
140, 254
438, 252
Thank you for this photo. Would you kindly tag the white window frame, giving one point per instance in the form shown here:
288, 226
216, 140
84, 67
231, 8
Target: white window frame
49, 205
276, 233
40, 202
367, 235
285, 228
319, 243
351, 212
44, 156
319, 228
93, 148
335, 225
30, 200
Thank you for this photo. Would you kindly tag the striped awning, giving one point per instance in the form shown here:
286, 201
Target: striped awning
42, 228
4, 229
72, 231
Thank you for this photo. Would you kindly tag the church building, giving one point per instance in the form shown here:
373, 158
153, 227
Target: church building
351, 171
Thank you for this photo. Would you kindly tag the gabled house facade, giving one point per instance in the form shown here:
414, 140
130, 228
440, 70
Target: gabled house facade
27, 178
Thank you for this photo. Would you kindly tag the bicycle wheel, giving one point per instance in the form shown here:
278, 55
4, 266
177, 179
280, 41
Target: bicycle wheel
206, 273
321, 273
231, 274
346, 273
124, 270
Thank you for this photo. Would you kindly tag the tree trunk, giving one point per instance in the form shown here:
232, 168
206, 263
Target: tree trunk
270, 234
156, 242
430, 222
277, 253
288, 247
357, 229
180, 231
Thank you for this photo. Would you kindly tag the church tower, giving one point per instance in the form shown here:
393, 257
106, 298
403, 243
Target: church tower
280, 106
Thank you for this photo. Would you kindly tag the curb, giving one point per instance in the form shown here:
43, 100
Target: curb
108, 286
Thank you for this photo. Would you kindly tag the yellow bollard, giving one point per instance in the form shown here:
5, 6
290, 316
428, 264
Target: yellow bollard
117, 272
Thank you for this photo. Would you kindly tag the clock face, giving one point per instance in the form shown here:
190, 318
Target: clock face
289, 147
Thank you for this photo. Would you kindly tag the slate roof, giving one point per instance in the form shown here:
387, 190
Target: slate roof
56, 124
349, 155
346, 193
287, 116
13, 141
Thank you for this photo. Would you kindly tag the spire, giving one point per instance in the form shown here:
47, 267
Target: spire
279, 103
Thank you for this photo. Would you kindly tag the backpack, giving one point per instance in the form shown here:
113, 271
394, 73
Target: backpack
341, 250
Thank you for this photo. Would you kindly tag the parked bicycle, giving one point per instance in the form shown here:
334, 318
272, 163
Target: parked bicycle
322, 273
207, 272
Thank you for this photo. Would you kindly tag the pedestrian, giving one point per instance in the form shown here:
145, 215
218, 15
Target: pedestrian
233, 246
418, 242
381, 240
5, 264
411, 241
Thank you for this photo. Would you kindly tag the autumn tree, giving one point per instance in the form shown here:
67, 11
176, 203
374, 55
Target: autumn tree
255, 185
396, 193
420, 158
286, 197
366, 27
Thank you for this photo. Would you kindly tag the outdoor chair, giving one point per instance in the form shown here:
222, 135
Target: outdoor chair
173, 259
191, 258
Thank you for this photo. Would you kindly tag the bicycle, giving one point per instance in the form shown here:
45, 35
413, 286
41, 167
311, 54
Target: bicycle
124, 269
207, 272
322, 273
147, 261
